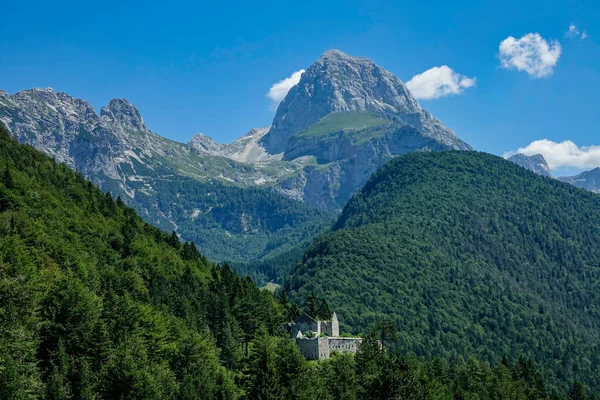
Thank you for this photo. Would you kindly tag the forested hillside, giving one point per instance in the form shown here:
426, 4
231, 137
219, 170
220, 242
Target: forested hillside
472, 256
97, 304
236, 224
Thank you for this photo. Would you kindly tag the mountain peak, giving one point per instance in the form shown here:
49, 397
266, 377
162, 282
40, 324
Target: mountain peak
337, 82
337, 56
205, 144
333, 53
536, 163
121, 110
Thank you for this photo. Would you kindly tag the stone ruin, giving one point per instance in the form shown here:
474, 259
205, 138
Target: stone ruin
318, 339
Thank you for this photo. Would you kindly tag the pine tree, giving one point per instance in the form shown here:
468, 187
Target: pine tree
189, 252
577, 392
323, 310
283, 300
174, 240
264, 376
11, 383
5, 203
312, 305
56, 388
7, 178
387, 329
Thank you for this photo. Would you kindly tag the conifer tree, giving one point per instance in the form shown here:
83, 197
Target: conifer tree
577, 392
264, 375
7, 178
174, 240
323, 310
312, 305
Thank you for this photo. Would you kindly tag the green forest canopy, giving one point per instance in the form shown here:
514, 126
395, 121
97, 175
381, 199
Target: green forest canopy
97, 304
472, 256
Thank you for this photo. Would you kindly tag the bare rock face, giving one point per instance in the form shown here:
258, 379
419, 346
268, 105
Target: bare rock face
123, 112
204, 144
337, 82
116, 150
536, 163
351, 116
246, 149
589, 180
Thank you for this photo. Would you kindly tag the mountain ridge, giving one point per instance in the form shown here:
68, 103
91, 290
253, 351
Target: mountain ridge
117, 151
536, 163
321, 166
589, 180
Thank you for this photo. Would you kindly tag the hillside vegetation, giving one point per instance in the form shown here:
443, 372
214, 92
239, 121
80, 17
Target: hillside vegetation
340, 121
97, 304
472, 256
235, 224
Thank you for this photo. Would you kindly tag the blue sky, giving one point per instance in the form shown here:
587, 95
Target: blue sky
207, 66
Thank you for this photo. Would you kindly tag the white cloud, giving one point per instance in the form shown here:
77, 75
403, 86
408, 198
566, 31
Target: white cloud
563, 154
531, 53
278, 91
438, 82
575, 32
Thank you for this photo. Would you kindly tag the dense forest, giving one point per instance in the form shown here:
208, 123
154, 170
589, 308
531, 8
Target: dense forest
97, 304
472, 256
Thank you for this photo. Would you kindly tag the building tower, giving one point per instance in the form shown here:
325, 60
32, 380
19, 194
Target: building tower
335, 325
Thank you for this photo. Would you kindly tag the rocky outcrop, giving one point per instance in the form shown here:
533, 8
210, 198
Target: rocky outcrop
346, 167
203, 195
247, 148
536, 163
204, 144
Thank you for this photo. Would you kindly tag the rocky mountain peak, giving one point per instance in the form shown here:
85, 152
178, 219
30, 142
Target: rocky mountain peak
589, 180
536, 163
337, 82
204, 144
51, 105
122, 111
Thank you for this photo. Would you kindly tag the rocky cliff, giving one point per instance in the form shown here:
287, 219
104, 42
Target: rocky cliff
536, 163
589, 180
350, 116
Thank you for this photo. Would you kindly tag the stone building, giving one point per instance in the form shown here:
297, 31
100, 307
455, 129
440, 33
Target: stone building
318, 339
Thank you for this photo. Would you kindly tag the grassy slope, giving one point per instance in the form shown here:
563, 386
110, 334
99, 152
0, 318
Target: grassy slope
335, 122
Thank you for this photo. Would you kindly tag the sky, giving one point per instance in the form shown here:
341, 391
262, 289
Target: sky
505, 76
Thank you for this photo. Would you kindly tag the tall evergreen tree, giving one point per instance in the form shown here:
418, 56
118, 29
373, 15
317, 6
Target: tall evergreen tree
312, 305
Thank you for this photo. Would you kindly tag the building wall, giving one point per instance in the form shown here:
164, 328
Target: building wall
344, 345
322, 347
314, 349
